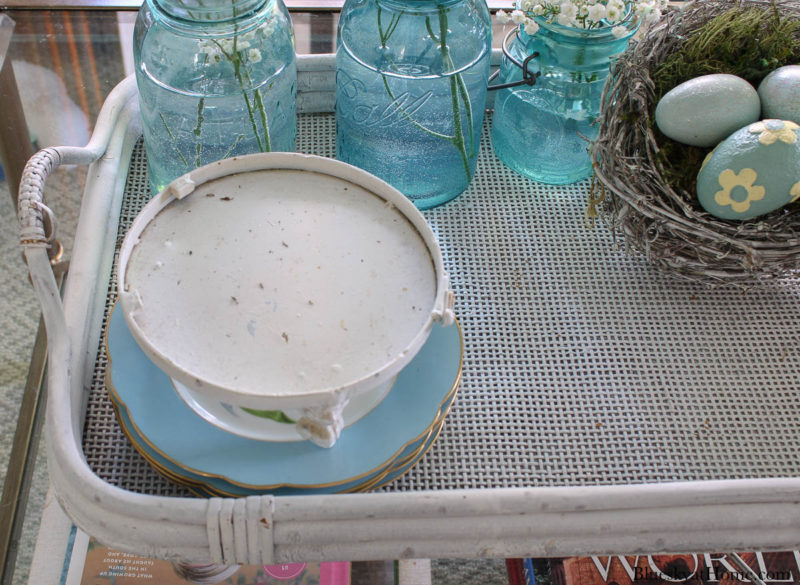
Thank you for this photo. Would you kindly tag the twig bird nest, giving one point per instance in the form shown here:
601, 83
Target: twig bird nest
647, 180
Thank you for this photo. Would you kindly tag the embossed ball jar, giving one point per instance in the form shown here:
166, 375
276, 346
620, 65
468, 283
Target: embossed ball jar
411, 90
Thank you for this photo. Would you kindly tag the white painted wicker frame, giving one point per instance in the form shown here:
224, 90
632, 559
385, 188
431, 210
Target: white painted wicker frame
715, 515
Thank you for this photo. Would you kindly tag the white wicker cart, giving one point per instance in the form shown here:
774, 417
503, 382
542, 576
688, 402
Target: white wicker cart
604, 407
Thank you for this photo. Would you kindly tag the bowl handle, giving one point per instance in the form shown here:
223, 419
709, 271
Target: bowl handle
445, 302
322, 425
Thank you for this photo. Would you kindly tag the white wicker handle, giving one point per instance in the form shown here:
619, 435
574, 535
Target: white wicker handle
39, 167
31, 204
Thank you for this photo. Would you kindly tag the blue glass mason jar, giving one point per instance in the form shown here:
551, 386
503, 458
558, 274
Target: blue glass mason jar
411, 91
216, 78
543, 131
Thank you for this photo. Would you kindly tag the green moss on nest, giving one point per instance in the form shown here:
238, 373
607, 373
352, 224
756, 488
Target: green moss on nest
630, 116
746, 41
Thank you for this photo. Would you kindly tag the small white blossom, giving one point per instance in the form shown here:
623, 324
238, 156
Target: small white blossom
253, 56
518, 17
531, 26
226, 46
212, 50
653, 15
568, 12
615, 11
565, 20
613, 14
644, 8
584, 13
596, 12
619, 31
569, 9
269, 27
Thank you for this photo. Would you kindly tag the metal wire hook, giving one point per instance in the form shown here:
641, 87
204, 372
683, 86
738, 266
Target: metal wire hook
528, 78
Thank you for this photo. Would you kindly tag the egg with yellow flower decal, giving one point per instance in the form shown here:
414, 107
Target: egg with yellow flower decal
754, 171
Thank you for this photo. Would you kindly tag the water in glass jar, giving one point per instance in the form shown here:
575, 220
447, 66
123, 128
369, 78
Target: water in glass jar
185, 129
420, 132
544, 134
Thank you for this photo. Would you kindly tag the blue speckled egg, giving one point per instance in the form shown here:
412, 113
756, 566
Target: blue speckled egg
780, 94
707, 109
752, 172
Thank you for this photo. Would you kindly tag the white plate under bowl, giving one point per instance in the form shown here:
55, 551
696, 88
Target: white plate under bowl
275, 425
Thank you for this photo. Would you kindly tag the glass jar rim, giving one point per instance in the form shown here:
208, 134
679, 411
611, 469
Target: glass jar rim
178, 15
630, 21
418, 6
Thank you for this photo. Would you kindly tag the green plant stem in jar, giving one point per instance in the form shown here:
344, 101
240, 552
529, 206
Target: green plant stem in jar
216, 79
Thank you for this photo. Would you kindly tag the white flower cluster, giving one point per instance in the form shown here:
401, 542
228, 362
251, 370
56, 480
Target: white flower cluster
234, 48
582, 13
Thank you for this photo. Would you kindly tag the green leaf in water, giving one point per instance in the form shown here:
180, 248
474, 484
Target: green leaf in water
276, 415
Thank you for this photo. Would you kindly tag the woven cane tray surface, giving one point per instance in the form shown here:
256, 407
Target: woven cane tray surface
583, 365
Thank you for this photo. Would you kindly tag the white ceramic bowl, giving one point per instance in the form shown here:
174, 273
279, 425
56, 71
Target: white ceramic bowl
275, 289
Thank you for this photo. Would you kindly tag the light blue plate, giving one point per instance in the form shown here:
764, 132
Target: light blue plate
169, 433
213, 486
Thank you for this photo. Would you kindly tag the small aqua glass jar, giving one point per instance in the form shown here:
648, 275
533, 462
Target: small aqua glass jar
543, 130
411, 78
216, 79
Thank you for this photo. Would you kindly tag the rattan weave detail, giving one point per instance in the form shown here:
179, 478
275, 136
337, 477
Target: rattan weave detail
582, 366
